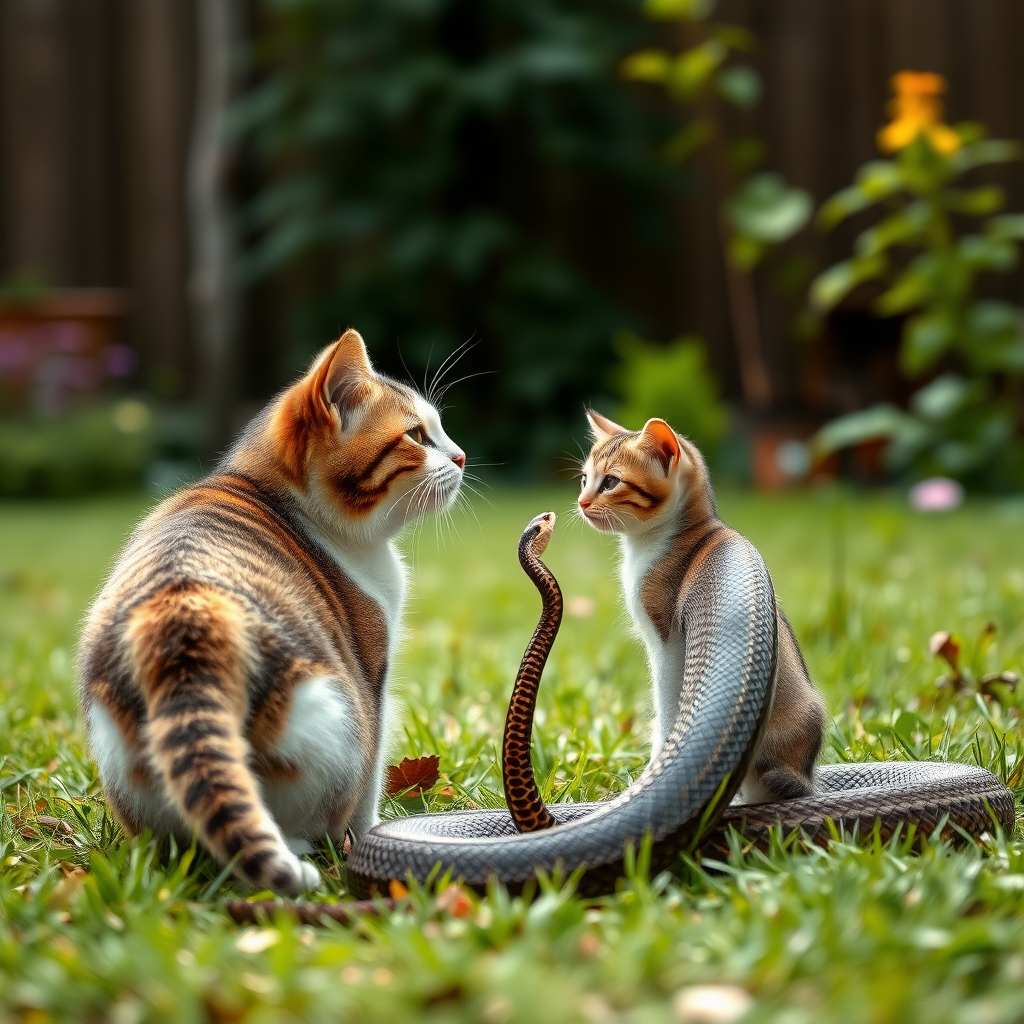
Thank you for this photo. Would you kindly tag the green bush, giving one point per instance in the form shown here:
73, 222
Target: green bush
937, 235
105, 447
416, 159
674, 383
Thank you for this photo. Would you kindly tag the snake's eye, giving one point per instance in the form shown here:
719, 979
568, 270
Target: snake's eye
608, 483
417, 434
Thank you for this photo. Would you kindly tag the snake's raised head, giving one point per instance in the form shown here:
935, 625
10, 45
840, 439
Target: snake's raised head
539, 530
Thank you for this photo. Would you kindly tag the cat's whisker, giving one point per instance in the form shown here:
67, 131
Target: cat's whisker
462, 380
483, 497
449, 364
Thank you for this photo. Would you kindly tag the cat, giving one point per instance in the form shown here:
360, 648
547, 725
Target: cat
233, 670
652, 486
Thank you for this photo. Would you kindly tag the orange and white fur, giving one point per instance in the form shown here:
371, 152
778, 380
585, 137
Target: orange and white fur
653, 488
234, 668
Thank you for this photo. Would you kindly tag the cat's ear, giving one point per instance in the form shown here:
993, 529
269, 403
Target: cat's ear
660, 440
602, 428
342, 380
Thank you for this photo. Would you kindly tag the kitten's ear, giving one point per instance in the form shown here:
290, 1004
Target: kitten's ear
342, 379
660, 440
602, 428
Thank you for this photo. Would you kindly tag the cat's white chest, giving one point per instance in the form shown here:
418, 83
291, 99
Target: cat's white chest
379, 571
381, 574
637, 561
665, 658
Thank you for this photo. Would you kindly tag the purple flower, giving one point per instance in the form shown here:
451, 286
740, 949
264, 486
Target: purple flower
66, 336
15, 352
119, 360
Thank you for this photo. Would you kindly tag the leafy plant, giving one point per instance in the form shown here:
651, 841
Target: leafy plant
757, 209
927, 266
414, 160
671, 381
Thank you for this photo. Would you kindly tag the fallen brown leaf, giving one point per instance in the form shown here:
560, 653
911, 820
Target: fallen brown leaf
413, 775
946, 646
455, 901
67, 888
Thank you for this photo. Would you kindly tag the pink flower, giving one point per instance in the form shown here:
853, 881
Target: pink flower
936, 494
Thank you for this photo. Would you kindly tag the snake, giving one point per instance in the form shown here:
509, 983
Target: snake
683, 799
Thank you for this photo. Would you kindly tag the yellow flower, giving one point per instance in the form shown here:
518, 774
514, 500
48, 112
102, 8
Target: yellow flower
916, 109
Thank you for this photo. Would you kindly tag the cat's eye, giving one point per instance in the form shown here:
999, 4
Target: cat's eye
608, 483
418, 434
583, 482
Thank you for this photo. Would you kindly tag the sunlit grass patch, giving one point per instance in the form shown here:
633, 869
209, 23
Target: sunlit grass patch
93, 927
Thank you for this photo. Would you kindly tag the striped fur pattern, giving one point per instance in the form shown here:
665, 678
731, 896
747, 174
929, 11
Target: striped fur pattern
234, 668
653, 488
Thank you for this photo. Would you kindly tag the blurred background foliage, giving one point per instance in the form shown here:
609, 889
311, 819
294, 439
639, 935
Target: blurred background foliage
672, 382
532, 180
418, 159
939, 231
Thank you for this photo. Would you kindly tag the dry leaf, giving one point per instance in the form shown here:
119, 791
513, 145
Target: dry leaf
219, 1013
397, 890
946, 646
446, 791
986, 683
455, 901
413, 775
67, 888
54, 824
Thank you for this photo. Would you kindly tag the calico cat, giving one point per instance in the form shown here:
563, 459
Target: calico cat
652, 486
234, 668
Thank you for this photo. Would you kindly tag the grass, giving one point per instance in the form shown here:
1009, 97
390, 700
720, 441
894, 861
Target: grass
94, 927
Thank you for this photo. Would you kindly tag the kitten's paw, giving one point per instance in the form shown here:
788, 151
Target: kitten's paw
786, 784
291, 876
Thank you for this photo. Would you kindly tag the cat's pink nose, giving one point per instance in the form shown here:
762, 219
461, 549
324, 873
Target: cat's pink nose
459, 460
585, 503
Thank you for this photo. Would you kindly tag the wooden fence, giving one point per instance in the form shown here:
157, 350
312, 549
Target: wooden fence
96, 101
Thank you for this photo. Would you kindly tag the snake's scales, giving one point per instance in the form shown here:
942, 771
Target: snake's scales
729, 622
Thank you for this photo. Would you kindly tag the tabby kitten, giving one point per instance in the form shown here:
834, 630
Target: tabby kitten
234, 668
652, 487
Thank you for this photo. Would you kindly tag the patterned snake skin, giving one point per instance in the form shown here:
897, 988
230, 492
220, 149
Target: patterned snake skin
729, 622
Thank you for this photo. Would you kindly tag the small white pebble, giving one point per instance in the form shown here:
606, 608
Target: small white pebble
582, 607
712, 1004
256, 941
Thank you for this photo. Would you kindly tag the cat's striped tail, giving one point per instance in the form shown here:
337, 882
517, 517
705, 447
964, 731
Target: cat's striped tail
189, 645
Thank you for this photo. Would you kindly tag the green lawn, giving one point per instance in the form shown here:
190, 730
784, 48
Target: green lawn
93, 927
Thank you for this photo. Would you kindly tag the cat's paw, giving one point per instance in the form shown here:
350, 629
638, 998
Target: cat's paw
291, 876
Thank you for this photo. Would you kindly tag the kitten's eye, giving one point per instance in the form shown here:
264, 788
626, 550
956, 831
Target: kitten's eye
419, 435
583, 482
608, 483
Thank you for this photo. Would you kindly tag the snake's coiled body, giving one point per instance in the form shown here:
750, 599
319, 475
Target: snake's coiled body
729, 624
